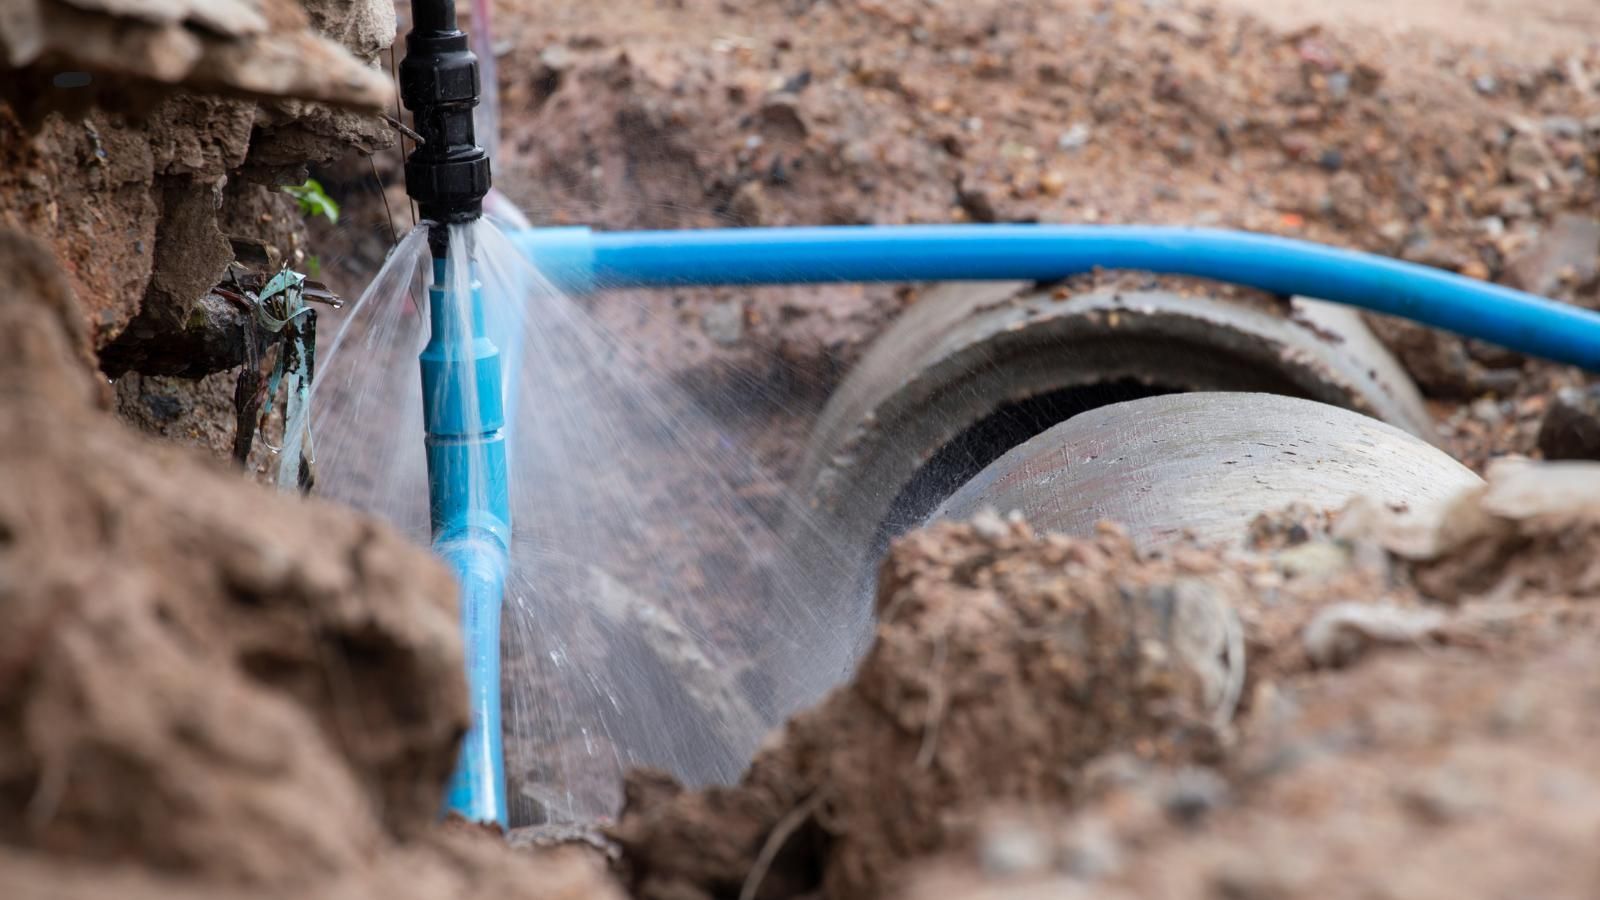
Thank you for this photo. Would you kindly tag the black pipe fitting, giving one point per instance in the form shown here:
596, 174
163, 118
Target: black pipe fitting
448, 173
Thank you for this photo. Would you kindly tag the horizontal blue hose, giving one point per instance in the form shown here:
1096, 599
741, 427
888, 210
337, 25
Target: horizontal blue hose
580, 260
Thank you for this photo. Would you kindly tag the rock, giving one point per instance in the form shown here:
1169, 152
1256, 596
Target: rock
723, 322
1013, 848
556, 58
1347, 197
976, 203
749, 205
1312, 559
366, 28
1443, 797
1440, 254
1562, 127
1528, 160
1340, 633
1488, 410
780, 119
1192, 794
259, 50
1571, 426
1074, 138
1567, 253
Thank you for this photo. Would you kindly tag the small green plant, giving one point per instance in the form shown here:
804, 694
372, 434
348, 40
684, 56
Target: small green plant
314, 201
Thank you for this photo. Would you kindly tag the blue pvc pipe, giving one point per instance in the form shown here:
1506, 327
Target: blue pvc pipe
580, 260
470, 513
477, 787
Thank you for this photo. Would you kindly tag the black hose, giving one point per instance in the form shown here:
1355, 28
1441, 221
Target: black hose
433, 15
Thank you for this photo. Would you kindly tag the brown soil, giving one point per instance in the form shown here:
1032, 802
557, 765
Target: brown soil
1397, 136
209, 690
1042, 715
138, 190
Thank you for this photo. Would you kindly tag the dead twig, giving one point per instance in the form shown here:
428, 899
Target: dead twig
779, 836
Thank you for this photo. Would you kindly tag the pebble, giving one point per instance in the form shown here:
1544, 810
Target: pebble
1192, 794
1339, 85
1528, 160
1313, 560
1074, 138
1339, 634
723, 322
1442, 797
1563, 127
556, 57
1571, 427
1568, 249
780, 117
1089, 851
1013, 848
1488, 411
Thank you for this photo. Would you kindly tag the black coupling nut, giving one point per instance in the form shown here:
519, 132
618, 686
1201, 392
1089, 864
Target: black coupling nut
438, 70
448, 173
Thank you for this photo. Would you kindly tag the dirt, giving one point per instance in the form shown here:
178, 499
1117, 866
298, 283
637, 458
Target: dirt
210, 690
139, 190
1044, 716
1446, 774
1402, 137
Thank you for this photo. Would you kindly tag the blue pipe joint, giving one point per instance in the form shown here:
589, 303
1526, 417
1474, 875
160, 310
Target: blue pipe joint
470, 512
464, 415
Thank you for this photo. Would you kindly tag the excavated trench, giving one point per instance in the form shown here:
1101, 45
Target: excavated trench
211, 691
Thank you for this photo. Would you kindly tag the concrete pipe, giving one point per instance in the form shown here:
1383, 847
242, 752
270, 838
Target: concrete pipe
1206, 464
973, 369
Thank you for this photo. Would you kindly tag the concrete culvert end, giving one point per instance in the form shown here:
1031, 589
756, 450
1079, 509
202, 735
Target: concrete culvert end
974, 369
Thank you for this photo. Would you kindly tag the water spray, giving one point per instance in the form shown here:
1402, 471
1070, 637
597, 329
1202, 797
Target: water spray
469, 361
463, 402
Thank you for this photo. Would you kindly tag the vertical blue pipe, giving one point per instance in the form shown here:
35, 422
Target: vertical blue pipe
470, 512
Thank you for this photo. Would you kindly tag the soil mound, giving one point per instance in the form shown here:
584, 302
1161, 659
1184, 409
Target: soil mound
1003, 663
207, 688
1043, 716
